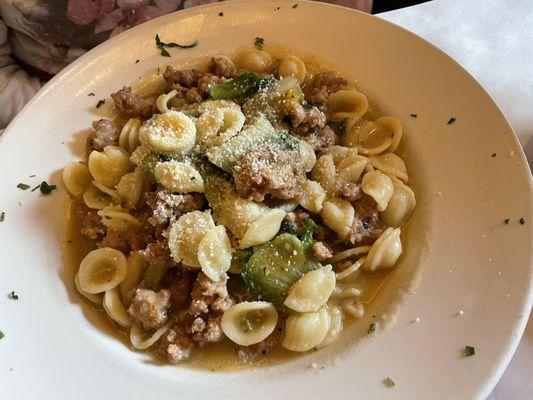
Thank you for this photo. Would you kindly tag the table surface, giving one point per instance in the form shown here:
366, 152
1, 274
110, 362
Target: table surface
491, 39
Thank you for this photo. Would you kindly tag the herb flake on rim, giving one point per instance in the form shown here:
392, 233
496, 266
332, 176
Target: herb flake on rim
47, 189
372, 328
389, 382
91, 94
2, 216
451, 121
295, 5
161, 45
259, 43
2, 335
413, 115
13, 296
23, 186
164, 52
493, 155
36, 187
506, 221
220, 14
100, 103
522, 221
469, 351
137, 61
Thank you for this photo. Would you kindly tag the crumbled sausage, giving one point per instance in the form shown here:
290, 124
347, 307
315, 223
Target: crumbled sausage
268, 170
207, 331
130, 104
220, 66
365, 228
104, 134
324, 84
167, 205
304, 120
193, 96
320, 139
296, 218
150, 308
175, 346
351, 191
321, 251
92, 226
209, 295
179, 282
187, 78
250, 353
206, 82
125, 241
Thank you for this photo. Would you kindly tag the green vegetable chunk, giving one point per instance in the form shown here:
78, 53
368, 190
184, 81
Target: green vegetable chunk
240, 88
275, 266
310, 227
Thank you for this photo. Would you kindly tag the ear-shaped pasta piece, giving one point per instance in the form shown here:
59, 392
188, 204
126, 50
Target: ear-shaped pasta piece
171, 132
374, 137
162, 101
353, 308
185, 236
305, 331
102, 269
312, 290
255, 61
346, 103
96, 199
95, 298
116, 218
293, 66
129, 135
385, 251
351, 168
137, 264
214, 253
378, 186
338, 214
108, 166
77, 178
336, 325
393, 128
308, 155
390, 164
130, 188
339, 153
263, 229
400, 206
178, 177
115, 309
312, 197
249, 323
219, 122
141, 341
324, 172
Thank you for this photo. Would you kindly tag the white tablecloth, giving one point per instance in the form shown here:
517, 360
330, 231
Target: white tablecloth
493, 40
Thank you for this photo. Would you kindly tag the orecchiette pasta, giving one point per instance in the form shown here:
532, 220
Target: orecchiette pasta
385, 251
115, 309
178, 177
95, 298
171, 132
96, 199
353, 308
308, 155
263, 229
312, 196
336, 325
339, 153
374, 137
312, 290
351, 168
390, 164
219, 122
101, 270
129, 135
214, 253
77, 178
305, 331
248, 323
162, 101
137, 264
116, 218
324, 172
255, 60
292, 66
401, 204
109, 166
185, 236
378, 186
130, 188
141, 341
338, 214
346, 103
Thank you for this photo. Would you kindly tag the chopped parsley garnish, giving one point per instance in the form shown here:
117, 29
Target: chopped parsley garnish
23, 186
451, 121
137, 61
306, 105
33, 176
469, 351
414, 115
288, 227
220, 14
13, 295
46, 189
259, 43
295, 5
2, 335
522, 221
493, 155
100, 103
389, 382
91, 94
2, 216
372, 327
161, 45
36, 187
506, 221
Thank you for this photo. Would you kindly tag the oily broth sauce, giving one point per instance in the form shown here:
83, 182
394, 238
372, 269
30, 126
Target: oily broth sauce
217, 356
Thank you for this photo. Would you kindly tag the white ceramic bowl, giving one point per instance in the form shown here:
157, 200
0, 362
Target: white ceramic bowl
469, 259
